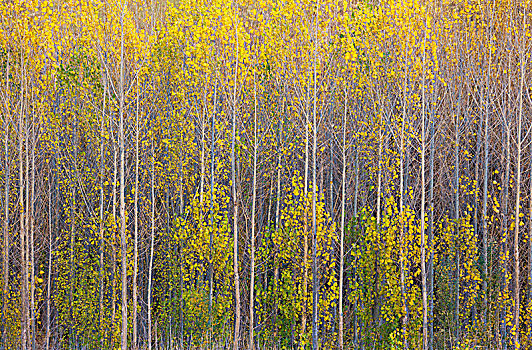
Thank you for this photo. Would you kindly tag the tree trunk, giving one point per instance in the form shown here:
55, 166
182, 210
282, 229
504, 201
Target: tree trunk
401, 211
123, 238
49, 277
315, 286
211, 268
101, 224
422, 217
518, 194
342, 233
22, 212
5, 256
31, 216
150, 268
136, 233
236, 336
253, 209
485, 193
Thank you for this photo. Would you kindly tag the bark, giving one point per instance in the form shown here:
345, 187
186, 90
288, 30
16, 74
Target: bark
457, 218
22, 212
504, 234
31, 217
522, 63
485, 190
236, 336
342, 233
101, 224
49, 276
211, 257
422, 216
431, 218
150, 268
315, 286
123, 238
253, 210
401, 210
136, 229
5, 256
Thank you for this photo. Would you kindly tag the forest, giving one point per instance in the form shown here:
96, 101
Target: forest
266, 174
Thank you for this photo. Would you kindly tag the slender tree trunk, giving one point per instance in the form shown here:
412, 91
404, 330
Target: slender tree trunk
457, 223
422, 217
123, 238
305, 233
181, 301
315, 286
150, 268
113, 239
378, 223
5, 262
72, 261
22, 213
518, 194
342, 233
431, 219
101, 224
485, 193
136, 233
31, 213
202, 153
211, 257
49, 277
355, 215
401, 211
277, 210
253, 211
504, 236
236, 336
530, 247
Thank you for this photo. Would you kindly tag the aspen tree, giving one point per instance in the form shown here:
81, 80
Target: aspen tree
522, 63
422, 216
529, 336
5, 247
72, 234
23, 290
101, 218
236, 336
401, 206
211, 231
278, 207
123, 238
305, 223
203, 141
485, 183
49, 277
31, 217
136, 229
431, 219
253, 209
355, 215
114, 227
315, 293
457, 217
379, 194
504, 234
181, 301
342, 231
331, 167
152, 238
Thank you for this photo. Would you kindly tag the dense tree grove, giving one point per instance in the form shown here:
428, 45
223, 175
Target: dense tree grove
266, 174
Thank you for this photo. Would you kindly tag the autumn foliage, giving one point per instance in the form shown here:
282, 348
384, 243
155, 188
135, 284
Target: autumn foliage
266, 174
